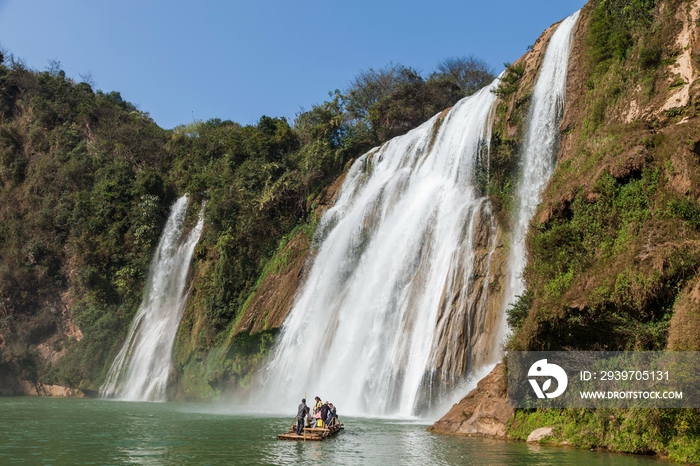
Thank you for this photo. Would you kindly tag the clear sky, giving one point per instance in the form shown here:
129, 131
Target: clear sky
241, 59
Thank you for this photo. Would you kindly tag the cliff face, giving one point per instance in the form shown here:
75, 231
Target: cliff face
475, 309
613, 248
485, 411
614, 243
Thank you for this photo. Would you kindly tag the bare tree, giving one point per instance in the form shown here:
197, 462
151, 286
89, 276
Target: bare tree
469, 73
54, 68
87, 78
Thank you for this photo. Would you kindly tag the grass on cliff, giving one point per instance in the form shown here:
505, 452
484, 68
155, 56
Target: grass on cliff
614, 245
499, 177
674, 432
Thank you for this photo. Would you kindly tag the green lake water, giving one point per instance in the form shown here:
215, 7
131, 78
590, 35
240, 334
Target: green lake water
46, 431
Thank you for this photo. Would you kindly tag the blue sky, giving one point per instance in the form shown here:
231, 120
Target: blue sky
241, 59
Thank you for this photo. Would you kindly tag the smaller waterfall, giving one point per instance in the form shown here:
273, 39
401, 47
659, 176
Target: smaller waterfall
540, 146
140, 370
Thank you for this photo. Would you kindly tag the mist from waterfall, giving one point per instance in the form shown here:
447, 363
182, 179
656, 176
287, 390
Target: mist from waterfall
540, 147
140, 370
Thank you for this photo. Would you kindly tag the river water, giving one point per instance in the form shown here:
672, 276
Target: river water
50, 431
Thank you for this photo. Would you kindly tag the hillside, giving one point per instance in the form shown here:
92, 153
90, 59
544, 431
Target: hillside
613, 248
86, 183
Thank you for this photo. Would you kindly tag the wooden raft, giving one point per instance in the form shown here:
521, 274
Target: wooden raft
311, 433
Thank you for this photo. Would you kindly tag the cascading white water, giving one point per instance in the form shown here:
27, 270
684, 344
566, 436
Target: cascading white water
140, 370
394, 252
540, 147
396, 298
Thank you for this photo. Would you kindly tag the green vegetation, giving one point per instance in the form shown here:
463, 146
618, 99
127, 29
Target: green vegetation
205, 376
507, 136
86, 183
390, 101
510, 80
613, 247
518, 311
614, 29
82, 202
642, 431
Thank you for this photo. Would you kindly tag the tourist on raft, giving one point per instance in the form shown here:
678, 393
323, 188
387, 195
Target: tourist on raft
332, 415
301, 415
324, 414
309, 419
325, 409
317, 412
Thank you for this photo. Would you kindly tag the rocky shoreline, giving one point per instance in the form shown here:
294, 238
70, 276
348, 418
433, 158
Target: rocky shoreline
11, 385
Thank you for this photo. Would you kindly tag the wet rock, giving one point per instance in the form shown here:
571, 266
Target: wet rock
538, 434
483, 412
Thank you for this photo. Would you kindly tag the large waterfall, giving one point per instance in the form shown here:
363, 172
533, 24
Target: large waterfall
540, 146
140, 370
394, 310
374, 326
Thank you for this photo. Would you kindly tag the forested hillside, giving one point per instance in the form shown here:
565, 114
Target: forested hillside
86, 182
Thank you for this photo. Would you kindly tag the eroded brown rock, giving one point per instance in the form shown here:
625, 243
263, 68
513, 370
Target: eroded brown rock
484, 412
274, 297
10, 385
470, 309
682, 332
628, 162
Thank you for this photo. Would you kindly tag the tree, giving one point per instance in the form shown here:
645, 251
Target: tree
469, 73
370, 86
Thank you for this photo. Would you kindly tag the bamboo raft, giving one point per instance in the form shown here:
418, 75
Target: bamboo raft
311, 433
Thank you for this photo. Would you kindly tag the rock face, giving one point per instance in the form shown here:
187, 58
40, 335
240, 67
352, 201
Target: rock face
474, 308
13, 386
39, 389
483, 412
273, 299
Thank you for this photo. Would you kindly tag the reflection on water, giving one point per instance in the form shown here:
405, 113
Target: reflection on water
60, 431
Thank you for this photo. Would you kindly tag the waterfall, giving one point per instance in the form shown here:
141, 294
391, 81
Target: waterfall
140, 370
410, 235
540, 147
393, 313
